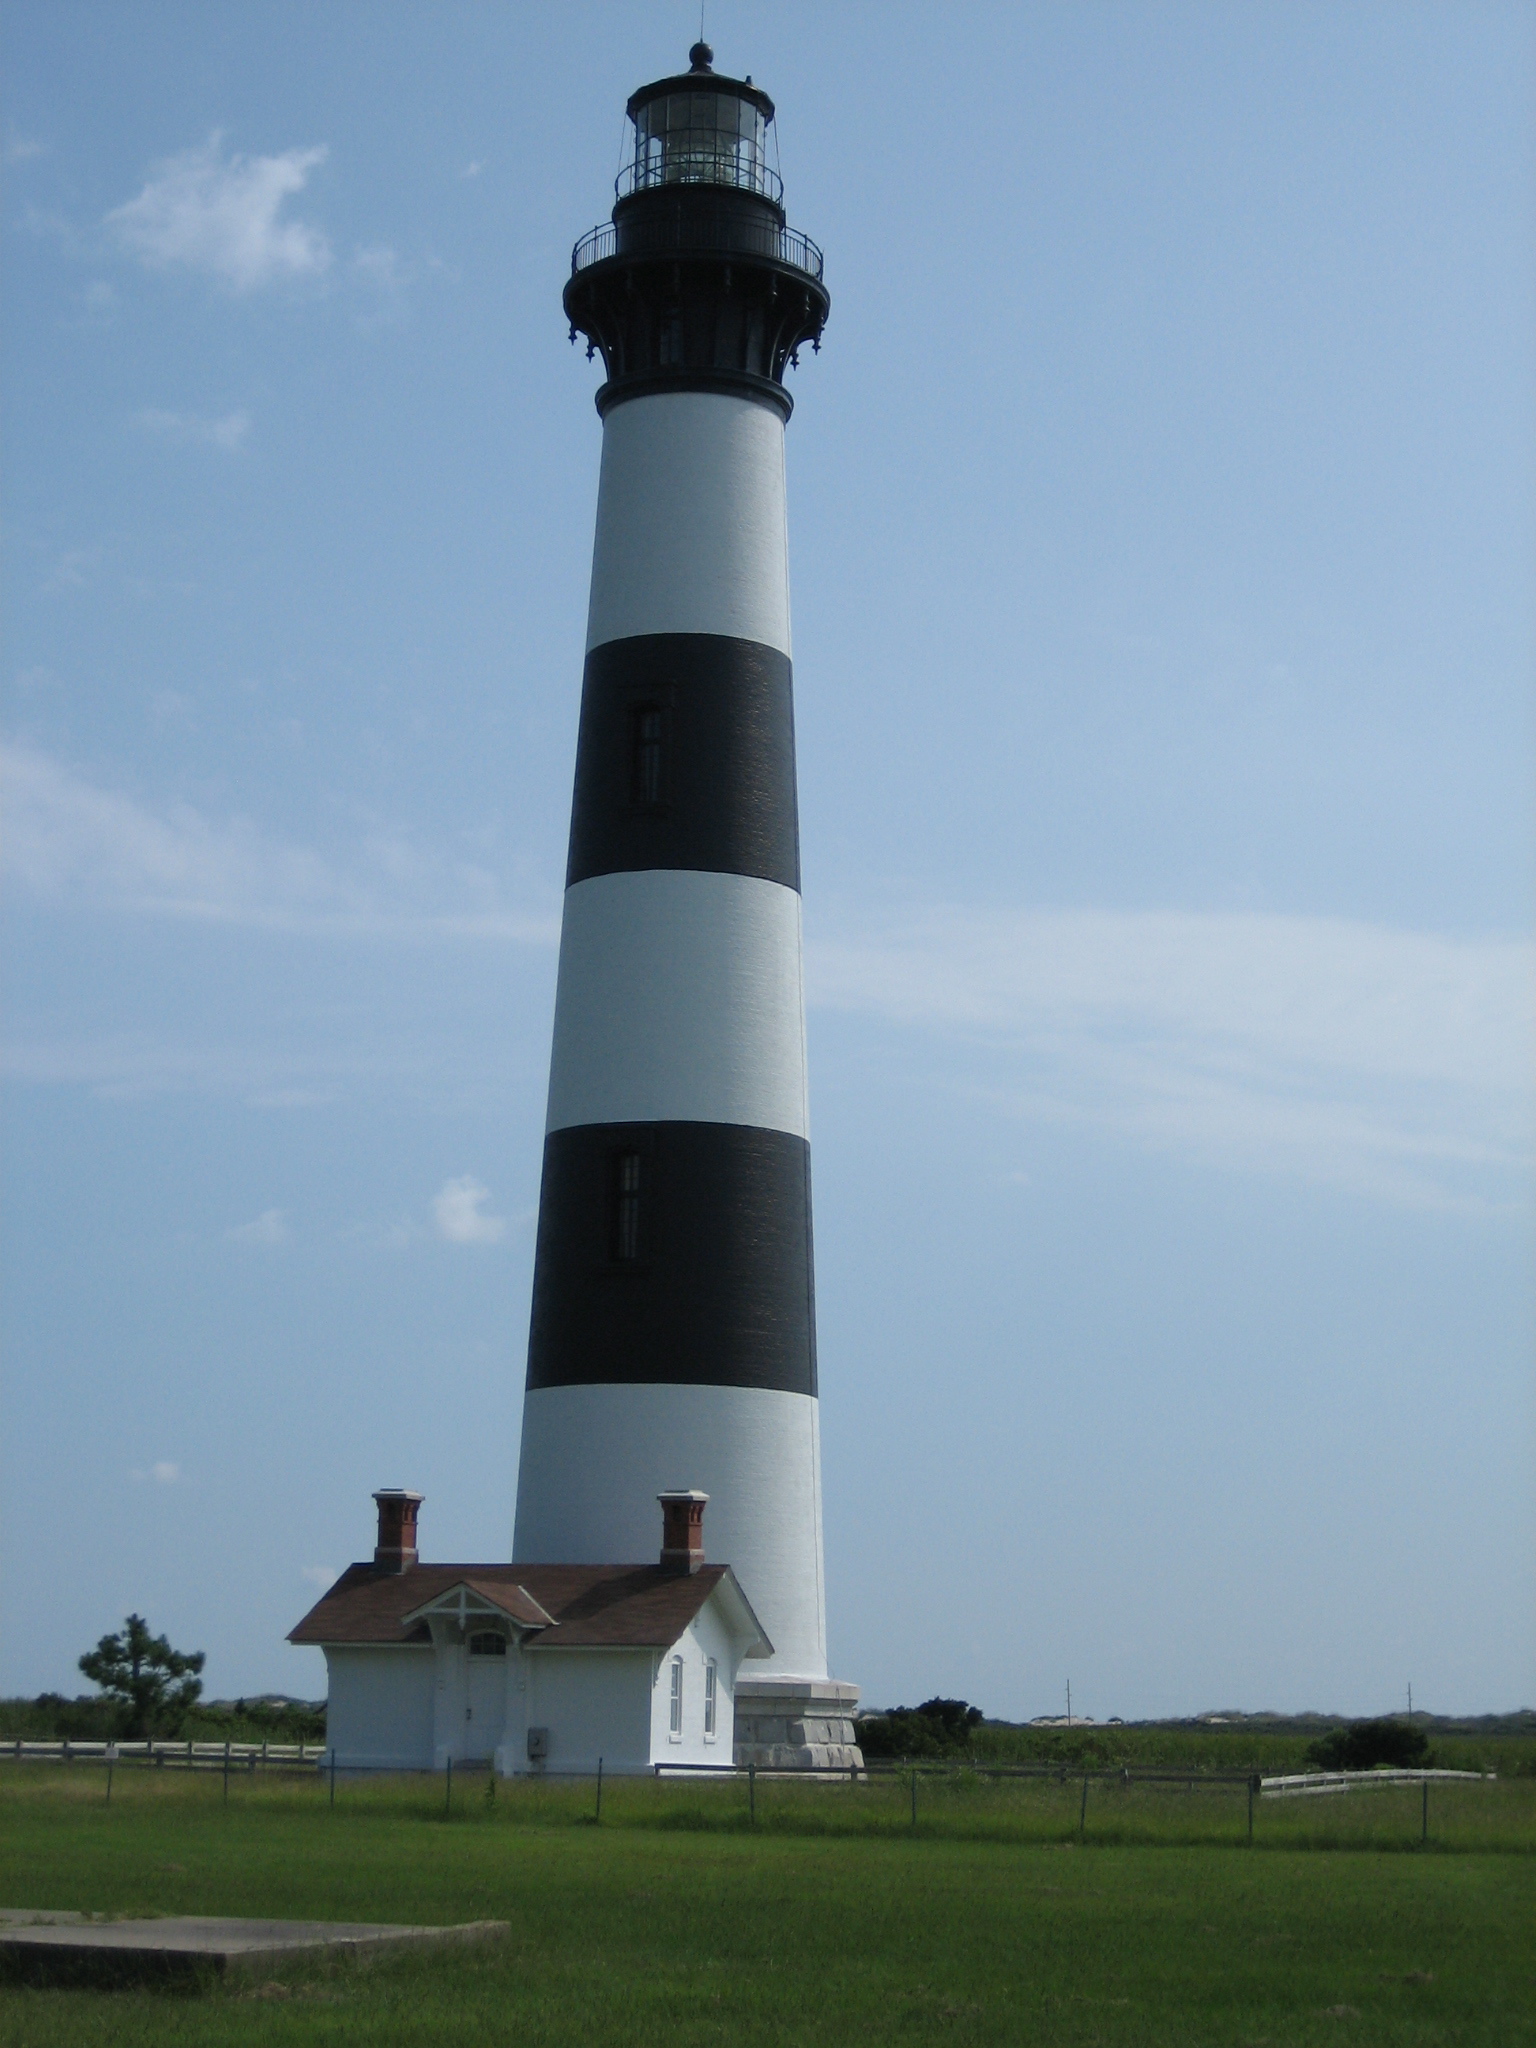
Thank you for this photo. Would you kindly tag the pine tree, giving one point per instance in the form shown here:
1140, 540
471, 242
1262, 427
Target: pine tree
151, 1683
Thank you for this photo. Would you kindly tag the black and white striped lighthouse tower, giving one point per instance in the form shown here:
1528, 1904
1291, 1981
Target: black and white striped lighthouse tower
673, 1338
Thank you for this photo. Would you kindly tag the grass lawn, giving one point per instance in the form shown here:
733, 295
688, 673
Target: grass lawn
833, 1922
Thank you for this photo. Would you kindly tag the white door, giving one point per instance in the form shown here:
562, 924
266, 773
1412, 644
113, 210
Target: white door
485, 1698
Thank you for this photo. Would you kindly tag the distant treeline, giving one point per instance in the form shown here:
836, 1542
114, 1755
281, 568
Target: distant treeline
92, 1718
1272, 1745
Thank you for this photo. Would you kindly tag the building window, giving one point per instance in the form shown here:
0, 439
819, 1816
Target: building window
488, 1644
709, 1701
645, 756
676, 1724
625, 1232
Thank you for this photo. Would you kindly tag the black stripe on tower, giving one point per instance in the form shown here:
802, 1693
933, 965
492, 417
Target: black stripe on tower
686, 759
675, 1253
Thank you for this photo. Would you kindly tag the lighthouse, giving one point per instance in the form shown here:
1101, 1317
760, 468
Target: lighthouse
672, 1339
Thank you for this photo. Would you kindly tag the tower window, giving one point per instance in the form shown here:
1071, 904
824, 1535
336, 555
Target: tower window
626, 1206
709, 1700
488, 1644
646, 738
675, 1726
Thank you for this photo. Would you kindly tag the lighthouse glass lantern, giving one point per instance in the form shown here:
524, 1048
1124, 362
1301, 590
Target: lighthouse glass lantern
672, 1338
688, 136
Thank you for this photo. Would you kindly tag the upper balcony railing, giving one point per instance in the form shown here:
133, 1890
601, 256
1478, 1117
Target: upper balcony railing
700, 157
698, 237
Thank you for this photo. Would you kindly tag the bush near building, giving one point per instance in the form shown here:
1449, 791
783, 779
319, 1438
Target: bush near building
938, 1728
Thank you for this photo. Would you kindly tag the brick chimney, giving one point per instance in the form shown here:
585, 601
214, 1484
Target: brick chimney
682, 1530
396, 1549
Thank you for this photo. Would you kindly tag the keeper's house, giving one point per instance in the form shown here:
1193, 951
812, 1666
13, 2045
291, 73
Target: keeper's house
536, 1667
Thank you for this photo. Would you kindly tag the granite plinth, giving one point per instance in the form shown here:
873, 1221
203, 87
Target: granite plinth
72, 1948
796, 1724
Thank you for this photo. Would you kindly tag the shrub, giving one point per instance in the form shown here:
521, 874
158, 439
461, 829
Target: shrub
1362, 1745
935, 1729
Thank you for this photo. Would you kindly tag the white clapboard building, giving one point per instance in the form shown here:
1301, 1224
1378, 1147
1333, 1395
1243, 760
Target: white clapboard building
537, 1667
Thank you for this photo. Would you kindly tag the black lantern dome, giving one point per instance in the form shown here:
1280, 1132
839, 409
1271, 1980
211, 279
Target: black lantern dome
697, 282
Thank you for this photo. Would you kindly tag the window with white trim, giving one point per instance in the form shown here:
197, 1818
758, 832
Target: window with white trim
676, 1725
709, 1700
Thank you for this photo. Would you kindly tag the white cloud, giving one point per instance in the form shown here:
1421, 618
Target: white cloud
379, 266
322, 1575
1392, 1063
221, 214
228, 432
163, 1474
472, 170
270, 1227
70, 840
458, 1208
20, 148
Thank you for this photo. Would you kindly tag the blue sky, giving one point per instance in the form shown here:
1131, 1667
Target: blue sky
1161, 540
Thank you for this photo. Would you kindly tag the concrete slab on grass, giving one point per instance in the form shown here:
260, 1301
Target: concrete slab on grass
57, 1948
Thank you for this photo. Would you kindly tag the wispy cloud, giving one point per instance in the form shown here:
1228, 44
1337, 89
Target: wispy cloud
70, 840
270, 1227
1393, 1063
228, 432
322, 1575
163, 1474
379, 266
223, 215
21, 148
459, 1211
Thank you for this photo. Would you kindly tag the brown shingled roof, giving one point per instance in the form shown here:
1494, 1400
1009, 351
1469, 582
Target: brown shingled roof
587, 1606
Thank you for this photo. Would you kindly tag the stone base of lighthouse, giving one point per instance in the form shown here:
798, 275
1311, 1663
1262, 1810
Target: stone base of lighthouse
796, 1724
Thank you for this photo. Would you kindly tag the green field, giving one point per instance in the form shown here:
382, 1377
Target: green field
832, 1921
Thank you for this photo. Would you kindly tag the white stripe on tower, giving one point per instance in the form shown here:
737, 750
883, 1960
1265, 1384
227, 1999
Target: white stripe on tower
691, 534
756, 1453
679, 997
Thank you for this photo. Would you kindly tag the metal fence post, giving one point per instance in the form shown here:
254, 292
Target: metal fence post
752, 1795
1424, 1831
226, 1774
599, 1815
448, 1789
1253, 1785
914, 1795
333, 1776
1082, 1816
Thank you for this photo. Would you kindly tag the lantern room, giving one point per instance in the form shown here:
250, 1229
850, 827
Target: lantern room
700, 129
